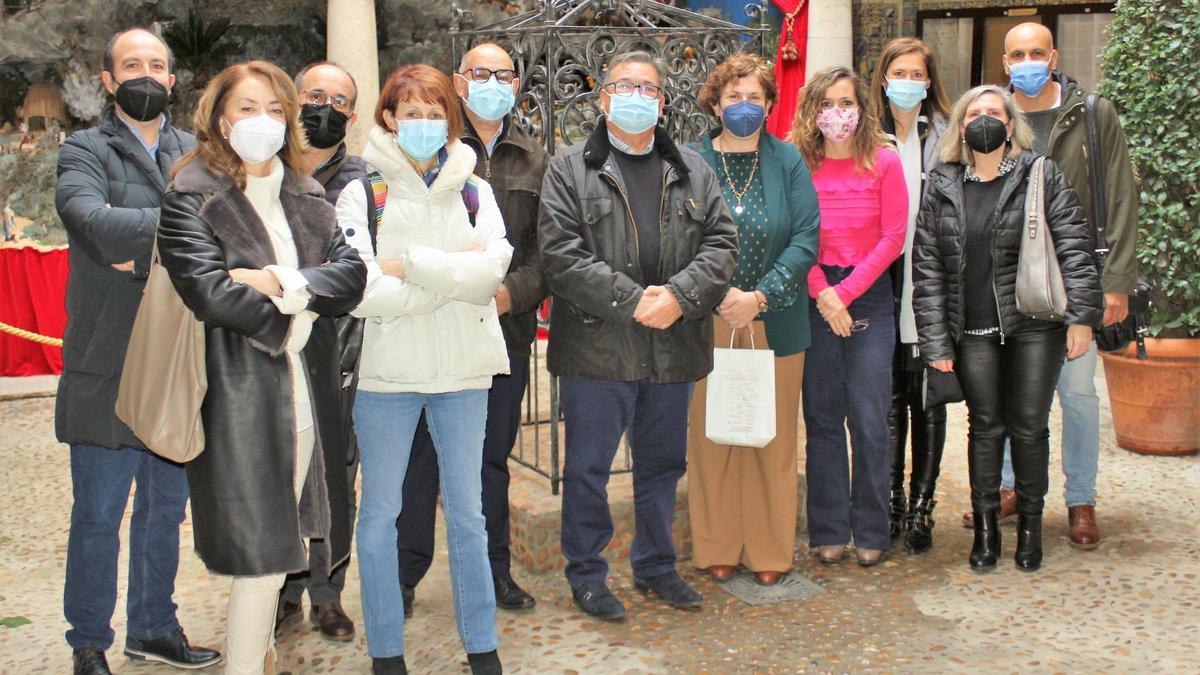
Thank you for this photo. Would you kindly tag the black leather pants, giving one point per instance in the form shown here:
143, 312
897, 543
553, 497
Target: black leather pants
928, 432
1009, 388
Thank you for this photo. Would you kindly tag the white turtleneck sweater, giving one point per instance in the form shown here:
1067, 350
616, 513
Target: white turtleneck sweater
263, 194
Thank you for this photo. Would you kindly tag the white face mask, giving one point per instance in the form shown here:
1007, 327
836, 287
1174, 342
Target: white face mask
257, 139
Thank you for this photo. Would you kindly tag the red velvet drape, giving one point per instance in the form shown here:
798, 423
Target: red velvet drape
33, 291
789, 75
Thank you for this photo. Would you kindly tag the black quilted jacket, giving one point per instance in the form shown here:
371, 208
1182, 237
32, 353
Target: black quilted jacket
938, 263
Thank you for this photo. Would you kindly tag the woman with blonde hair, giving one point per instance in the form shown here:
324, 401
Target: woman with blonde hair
254, 251
965, 261
847, 381
742, 501
907, 95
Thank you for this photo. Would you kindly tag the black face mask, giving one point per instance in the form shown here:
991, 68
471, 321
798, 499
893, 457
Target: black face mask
985, 134
142, 98
324, 126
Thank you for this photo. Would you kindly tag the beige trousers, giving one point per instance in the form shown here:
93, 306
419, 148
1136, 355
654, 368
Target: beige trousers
250, 616
742, 501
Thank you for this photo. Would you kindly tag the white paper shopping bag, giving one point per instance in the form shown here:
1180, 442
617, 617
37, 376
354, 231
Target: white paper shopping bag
740, 403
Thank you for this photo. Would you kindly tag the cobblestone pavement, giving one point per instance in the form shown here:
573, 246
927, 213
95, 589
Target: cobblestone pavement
1130, 606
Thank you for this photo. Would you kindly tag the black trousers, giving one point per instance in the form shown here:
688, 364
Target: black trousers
928, 427
415, 526
1009, 388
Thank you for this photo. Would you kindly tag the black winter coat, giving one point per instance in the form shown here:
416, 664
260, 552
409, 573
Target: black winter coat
590, 259
243, 501
515, 170
108, 195
938, 261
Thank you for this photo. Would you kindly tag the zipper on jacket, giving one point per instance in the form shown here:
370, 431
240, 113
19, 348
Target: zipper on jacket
487, 168
637, 242
662, 207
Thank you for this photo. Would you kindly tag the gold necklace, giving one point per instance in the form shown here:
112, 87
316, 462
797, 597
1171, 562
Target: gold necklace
739, 195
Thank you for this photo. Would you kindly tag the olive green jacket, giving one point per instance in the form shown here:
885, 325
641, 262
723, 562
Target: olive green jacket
1069, 149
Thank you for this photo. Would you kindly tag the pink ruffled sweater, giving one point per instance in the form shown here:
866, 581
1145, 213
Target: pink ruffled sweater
863, 221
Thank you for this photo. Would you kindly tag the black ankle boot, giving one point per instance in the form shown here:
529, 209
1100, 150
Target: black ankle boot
389, 665
487, 663
896, 513
1029, 543
986, 549
919, 524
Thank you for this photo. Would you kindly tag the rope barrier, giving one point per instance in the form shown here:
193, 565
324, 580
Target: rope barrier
30, 335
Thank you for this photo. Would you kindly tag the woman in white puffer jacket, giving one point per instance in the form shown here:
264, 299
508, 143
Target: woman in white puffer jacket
431, 343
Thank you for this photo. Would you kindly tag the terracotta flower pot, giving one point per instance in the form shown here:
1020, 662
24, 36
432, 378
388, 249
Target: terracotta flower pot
1156, 403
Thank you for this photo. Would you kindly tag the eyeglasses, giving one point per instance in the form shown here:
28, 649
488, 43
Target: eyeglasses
318, 97
623, 88
503, 76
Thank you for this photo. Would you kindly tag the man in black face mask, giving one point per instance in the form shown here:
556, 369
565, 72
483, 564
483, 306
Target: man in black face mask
327, 95
111, 180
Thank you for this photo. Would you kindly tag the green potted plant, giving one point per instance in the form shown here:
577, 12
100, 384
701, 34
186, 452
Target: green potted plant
1150, 74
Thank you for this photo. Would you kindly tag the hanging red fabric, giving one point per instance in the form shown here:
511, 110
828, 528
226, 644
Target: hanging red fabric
33, 291
789, 72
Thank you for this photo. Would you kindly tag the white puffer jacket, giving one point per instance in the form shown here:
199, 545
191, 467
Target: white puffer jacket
436, 330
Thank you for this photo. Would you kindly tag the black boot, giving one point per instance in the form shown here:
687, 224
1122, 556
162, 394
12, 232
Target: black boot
1029, 543
918, 523
389, 665
896, 512
486, 663
986, 549
898, 442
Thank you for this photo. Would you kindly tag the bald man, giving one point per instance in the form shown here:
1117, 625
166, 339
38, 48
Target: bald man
1063, 116
111, 180
512, 162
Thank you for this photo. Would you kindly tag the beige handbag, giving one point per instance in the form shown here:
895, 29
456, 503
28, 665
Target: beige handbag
164, 380
1041, 293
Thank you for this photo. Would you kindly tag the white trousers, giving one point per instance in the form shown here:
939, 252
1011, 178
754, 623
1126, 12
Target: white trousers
250, 617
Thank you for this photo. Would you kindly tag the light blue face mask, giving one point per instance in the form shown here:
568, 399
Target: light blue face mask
906, 94
633, 114
421, 139
1029, 77
490, 100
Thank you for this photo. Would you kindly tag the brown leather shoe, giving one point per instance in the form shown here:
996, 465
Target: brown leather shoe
1007, 514
721, 572
285, 613
1085, 534
333, 622
768, 577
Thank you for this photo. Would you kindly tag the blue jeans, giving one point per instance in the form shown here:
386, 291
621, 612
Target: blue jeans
597, 413
848, 383
1080, 430
416, 523
385, 424
100, 483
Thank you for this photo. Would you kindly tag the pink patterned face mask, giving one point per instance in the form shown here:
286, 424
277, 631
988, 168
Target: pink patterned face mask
837, 123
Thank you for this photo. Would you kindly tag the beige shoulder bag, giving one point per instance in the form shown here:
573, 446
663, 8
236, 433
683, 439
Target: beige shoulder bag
1041, 293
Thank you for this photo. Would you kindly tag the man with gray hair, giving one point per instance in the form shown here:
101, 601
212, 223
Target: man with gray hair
637, 249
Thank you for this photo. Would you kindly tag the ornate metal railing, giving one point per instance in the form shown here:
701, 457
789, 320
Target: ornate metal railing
560, 50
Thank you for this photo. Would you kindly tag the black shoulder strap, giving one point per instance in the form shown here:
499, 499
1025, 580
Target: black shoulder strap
1095, 152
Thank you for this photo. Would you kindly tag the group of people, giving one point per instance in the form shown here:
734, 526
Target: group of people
373, 316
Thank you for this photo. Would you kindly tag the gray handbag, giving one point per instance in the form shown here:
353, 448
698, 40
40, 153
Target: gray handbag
1041, 293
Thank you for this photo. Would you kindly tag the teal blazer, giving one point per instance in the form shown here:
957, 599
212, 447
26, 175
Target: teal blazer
793, 231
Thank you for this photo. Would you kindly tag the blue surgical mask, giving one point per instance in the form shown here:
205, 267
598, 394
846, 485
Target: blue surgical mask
1029, 77
490, 100
906, 94
421, 139
743, 119
633, 114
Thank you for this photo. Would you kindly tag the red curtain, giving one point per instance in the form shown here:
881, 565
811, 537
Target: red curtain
33, 291
789, 75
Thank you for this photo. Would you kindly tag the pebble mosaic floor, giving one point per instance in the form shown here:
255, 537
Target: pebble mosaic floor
1132, 606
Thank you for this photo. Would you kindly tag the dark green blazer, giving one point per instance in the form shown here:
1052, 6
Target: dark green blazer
794, 220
